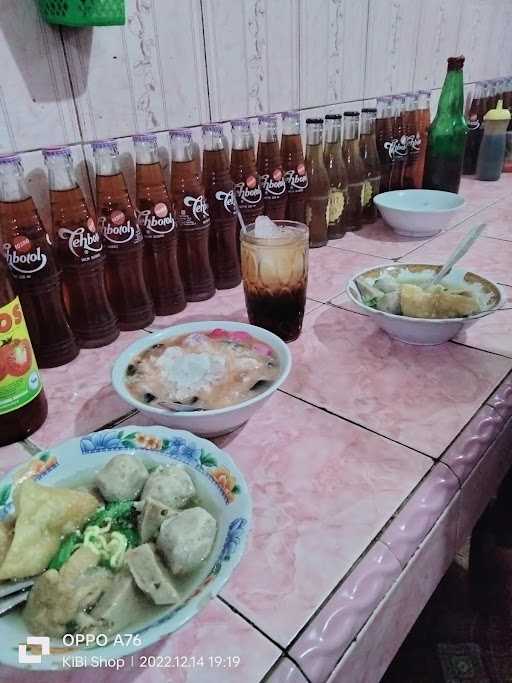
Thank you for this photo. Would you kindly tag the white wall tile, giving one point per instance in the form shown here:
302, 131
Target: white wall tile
437, 40
147, 75
332, 50
475, 38
393, 30
498, 59
36, 105
252, 56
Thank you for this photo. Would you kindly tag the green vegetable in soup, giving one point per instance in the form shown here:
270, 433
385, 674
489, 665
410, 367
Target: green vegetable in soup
68, 546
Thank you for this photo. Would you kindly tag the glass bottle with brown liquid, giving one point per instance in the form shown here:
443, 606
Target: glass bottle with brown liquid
333, 160
356, 171
122, 241
317, 195
295, 175
384, 139
220, 195
193, 219
370, 156
398, 149
81, 256
155, 215
31, 260
270, 169
23, 406
475, 122
412, 139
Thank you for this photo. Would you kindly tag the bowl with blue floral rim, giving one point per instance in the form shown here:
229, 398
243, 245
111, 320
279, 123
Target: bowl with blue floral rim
221, 489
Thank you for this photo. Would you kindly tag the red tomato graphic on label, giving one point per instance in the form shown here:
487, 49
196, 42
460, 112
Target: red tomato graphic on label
251, 182
277, 174
117, 217
3, 365
301, 169
17, 356
22, 244
161, 210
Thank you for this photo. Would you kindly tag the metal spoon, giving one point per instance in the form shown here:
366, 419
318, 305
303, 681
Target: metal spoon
178, 407
460, 250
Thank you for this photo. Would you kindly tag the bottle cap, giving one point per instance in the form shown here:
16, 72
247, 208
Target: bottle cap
240, 123
10, 159
456, 62
180, 134
56, 153
294, 114
368, 110
105, 144
498, 114
268, 118
314, 121
144, 137
335, 117
213, 129
350, 113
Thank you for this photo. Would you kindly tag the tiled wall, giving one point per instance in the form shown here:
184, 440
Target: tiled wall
185, 62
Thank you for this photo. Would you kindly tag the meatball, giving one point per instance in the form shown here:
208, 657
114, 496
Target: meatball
122, 478
171, 486
186, 539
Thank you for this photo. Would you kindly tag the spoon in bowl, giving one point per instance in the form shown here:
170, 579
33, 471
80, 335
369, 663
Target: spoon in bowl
460, 250
178, 407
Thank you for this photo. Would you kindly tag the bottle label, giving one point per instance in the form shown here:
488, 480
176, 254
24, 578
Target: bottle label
473, 123
227, 199
23, 258
19, 377
296, 179
366, 193
248, 193
274, 186
335, 206
196, 211
157, 222
397, 148
84, 243
118, 231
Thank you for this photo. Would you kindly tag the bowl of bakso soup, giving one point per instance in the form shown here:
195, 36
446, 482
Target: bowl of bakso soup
207, 377
402, 300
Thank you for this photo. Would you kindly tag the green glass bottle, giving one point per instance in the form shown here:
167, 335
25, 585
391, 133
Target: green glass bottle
447, 134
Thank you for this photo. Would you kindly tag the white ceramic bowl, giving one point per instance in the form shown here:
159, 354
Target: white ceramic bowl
422, 331
220, 485
418, 213
203, 422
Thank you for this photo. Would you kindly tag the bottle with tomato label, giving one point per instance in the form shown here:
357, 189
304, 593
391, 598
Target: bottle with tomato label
156, 220
220, 195
270, 169
80, 251
192, 217
122, 241
244, 173
30, 257
296, 178
23, 406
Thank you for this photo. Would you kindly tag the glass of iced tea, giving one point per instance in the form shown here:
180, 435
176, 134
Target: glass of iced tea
275, 275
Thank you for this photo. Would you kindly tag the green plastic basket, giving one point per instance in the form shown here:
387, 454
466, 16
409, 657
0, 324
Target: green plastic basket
83, 12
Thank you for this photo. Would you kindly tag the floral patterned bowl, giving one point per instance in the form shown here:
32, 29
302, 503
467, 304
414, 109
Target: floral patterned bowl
220, 486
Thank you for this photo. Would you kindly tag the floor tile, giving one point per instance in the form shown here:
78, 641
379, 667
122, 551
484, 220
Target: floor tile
80, 395
498, 219
11, 456
419, 396
322, 489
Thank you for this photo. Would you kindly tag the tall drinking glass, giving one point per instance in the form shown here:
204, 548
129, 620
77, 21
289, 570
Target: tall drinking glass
275, 275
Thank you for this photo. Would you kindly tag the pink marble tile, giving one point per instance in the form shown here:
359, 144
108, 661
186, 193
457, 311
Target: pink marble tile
227, 304
338, 622
216, 632
501, 400
286, 672
344, 301
330, 269
492, 333
480, 195
470, 445
322, 489
378, 239
370, 654
419, 396
12, 456
488, 257
498, 219
80, 395
484, 480
420, 512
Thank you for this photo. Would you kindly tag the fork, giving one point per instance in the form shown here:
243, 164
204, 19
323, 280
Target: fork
13, 593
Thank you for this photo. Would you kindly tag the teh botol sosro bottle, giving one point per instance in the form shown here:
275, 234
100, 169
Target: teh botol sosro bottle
447, 134
23, 407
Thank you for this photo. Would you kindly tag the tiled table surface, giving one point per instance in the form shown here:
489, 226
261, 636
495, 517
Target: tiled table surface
350, 466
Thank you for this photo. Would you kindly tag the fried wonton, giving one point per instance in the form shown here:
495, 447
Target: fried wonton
5, 539
43, 516
417, 303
